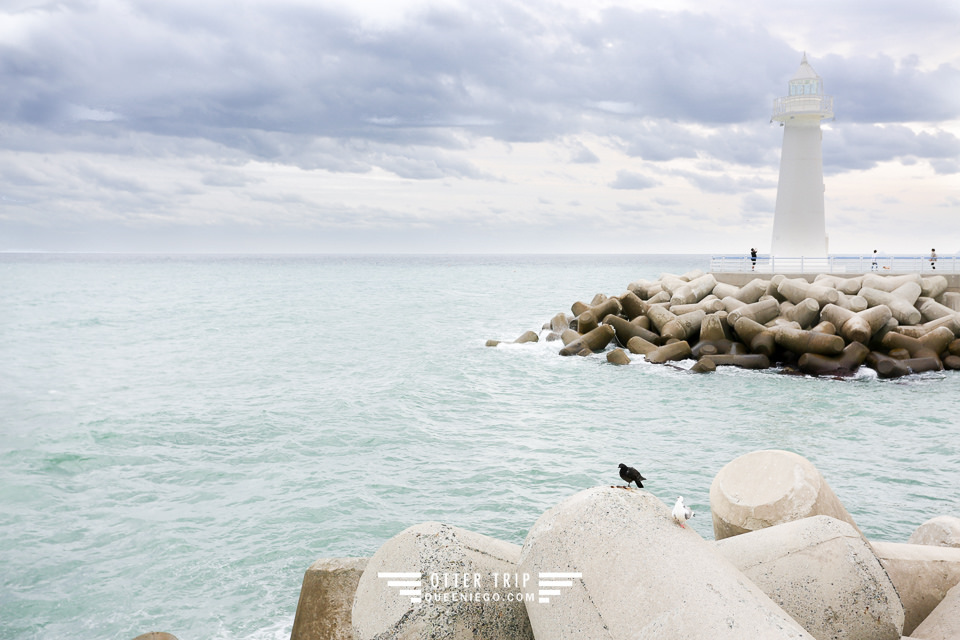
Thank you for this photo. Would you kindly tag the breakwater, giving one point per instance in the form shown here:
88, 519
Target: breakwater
896, 325
610, 562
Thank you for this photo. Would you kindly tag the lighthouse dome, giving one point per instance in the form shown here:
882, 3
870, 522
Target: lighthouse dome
805, 81
805, 72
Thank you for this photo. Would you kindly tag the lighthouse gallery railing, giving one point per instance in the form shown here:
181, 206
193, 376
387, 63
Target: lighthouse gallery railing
802, 104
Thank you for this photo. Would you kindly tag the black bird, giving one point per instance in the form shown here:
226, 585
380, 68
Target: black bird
629, 474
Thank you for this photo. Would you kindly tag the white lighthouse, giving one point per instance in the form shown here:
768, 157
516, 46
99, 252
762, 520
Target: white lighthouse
799, 228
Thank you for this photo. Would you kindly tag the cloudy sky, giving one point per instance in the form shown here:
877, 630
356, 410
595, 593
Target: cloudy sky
453, 126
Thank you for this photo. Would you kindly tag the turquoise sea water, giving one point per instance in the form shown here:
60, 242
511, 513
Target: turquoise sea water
181, 437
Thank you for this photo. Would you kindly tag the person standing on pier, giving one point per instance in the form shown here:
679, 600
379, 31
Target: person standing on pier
933, 258
873, 267
753, 258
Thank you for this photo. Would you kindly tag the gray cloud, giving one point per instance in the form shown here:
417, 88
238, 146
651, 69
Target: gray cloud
213, 87
858, 146
198, 70
580, 154
756, 207
723, 182
634, 206
632, 180
880, 89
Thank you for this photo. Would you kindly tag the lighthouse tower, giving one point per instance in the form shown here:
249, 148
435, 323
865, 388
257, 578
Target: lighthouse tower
798, 223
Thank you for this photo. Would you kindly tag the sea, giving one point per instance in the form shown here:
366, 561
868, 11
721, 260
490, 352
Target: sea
182, 436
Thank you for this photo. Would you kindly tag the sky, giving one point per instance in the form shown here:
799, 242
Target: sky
418, 126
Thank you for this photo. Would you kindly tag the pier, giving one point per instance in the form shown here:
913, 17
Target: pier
727, 268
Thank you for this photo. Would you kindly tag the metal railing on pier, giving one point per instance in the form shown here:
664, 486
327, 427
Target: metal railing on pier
853, 264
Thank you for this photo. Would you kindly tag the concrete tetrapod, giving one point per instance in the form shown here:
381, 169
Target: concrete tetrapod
762, 312
528, 336
764, 343
797, 290
806, 313
660, 316
889, 283
887, 367
954, 347
661, 297
903, 311
559, 322
852, 327
909, 291
922, 575
712, 327
933, 286
640, 576
938, 339
626, 330
586, 322
932, 310
918, 331
644, 289
673, 351
683, 327
730, 303
723, 290
671, 282
632, 306
800, 341
852, 303
748, 329
942, 531
916, 347
451, 562
694, 291
846, 364
825, 327
769, 487
640, 346
641, 321
824, 574
950, 299
710, 304
751, 292
707, 348
704, 365
617, 356
594, 341
849, 286
943, 623
605, 308
326, 599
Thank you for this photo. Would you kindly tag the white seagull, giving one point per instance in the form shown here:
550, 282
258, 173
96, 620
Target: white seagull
681, 513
